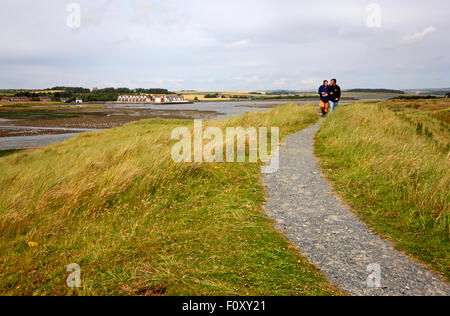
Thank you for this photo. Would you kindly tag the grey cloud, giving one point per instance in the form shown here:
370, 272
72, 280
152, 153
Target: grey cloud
183, 44
95, 16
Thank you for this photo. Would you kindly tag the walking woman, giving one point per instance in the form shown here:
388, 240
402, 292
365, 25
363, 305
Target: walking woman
324, 98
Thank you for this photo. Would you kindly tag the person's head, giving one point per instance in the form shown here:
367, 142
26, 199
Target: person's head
325, 83
333, 82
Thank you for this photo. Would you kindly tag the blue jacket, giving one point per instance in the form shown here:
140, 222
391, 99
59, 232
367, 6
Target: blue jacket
321, 90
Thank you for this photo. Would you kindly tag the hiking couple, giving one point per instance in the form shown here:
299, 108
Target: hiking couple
330, 95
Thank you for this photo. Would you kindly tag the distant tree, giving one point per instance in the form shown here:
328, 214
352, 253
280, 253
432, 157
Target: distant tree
153, 91
71, 89
281, 92
414, 97
123, 91
24, 94
105, 90
212, 96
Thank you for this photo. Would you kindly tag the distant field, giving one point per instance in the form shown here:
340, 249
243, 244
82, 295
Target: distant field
356, 95
430, 117
27, 104
227, 95
13, 92
49, 91
390, 160
40, 106
368, 95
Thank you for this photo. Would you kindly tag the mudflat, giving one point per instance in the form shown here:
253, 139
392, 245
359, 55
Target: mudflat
32, 122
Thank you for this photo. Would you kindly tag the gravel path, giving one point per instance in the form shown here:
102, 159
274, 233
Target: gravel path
302, 203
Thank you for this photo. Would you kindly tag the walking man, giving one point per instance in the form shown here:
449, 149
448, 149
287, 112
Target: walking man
324, 98
334, 93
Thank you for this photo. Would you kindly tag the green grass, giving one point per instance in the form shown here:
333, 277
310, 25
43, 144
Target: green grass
430, 117
37, 115
27, 104
396, 179
43, 113
137, 223
4, 153
369, 95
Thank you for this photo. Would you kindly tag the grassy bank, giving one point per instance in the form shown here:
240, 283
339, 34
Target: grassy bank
137, 223
395, 177
37, 114
431, 117
27, 104
4, 153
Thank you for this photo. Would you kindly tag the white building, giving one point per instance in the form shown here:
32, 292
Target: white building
173, 98
157, 98
131, 99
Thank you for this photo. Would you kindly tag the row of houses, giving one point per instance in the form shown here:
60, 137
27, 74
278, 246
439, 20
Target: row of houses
157, 98
134, 99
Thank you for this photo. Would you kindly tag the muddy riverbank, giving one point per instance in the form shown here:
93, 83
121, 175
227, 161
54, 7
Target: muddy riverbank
26, 127
86, 118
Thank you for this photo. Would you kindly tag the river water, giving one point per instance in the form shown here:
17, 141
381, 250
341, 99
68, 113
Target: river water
223, 109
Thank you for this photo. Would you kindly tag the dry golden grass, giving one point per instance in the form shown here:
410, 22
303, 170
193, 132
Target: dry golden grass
227, 95
27, 104
396, 178
137, 223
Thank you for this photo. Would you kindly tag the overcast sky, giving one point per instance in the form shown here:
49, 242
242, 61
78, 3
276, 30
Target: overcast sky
225, 44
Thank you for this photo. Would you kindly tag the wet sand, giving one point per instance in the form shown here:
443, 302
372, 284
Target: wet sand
94, 119
32, 127
22, 142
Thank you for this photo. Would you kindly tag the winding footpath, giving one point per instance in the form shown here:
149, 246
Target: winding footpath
334, 239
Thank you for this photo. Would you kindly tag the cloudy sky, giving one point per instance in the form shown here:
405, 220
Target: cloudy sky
225, 44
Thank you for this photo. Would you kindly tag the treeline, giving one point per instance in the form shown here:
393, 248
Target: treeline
435, 92
212, 96
282, 92
81, 90
415, 97
96, 95
376, 91
284, 97
70, 89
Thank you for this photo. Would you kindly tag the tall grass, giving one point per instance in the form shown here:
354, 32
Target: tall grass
397, 179
137, 223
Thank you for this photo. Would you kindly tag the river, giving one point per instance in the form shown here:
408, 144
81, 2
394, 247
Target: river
224, 109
